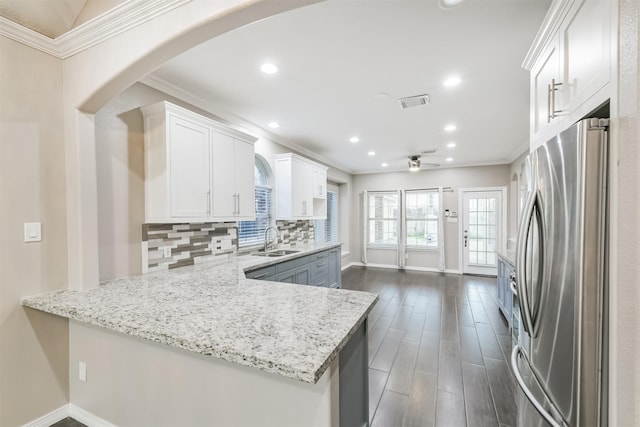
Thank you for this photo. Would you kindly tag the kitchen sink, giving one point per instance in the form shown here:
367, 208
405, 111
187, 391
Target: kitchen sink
276, 253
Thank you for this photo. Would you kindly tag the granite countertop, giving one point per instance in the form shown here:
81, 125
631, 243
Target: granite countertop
212, 309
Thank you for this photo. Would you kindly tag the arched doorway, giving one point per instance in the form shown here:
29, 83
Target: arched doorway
88, 88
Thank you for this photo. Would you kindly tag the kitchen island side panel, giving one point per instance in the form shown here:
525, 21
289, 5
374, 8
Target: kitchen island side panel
131, 381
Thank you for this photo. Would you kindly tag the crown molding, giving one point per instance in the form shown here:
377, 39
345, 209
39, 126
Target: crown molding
550, 25
235, 121
118, 20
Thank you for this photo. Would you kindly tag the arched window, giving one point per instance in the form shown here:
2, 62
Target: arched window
251, 233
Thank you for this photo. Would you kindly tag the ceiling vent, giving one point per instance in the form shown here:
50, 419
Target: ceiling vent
414, 101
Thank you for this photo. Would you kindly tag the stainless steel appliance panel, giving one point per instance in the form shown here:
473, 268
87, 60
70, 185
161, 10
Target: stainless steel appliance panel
561, 274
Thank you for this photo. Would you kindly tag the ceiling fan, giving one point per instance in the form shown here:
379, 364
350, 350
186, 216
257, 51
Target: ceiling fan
415, 161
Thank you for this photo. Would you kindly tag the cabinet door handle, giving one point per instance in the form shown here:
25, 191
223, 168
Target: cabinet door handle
551, 98
237, 203
304, 207
548, 103
208, 203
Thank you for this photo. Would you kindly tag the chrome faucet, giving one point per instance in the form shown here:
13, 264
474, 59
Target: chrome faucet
266, 234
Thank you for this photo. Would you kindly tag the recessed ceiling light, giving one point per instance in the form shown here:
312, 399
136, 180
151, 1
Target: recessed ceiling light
269, 68
384, 165
451, 145
452, 81
450, 128
449, 159
354, 139
274, 125
371, 153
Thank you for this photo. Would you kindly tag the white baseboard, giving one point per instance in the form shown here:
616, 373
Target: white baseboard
344, 267
69, 410
395, 267
51, 418
86, 417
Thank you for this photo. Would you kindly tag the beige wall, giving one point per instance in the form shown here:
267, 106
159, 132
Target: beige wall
482, 176
33, 345
624, 267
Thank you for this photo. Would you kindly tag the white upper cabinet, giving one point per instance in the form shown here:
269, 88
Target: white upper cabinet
233, 178
195, 168
586, 43
301, 186
570, 63
189, 168
319, 180
545, 84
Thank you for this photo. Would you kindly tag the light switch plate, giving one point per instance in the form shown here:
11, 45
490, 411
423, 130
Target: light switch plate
82, 371
32, 232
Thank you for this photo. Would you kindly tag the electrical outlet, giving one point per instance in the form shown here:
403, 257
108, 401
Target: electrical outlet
167, 252
82, 371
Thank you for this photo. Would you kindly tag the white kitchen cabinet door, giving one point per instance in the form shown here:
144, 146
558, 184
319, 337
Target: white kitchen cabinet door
302, 203
224, 191
319, 181
545, 98
245, 180
586, 50
189, 168
233, 178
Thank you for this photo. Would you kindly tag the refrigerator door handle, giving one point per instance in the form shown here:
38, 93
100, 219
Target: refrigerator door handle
516, 372
521, 262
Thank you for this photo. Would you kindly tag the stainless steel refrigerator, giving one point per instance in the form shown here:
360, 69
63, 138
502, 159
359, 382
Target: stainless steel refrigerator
561, 281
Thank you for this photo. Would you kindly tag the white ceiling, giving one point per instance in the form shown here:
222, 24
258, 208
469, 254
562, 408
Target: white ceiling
335, 56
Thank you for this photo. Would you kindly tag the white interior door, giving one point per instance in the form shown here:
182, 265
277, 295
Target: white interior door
482, 230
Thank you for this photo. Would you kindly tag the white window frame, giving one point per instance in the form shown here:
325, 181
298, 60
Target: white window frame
260, 165
398, 219
406, 219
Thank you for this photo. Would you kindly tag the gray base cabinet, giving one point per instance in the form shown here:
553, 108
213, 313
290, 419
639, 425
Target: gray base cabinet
505, 296
335, 268
318, 269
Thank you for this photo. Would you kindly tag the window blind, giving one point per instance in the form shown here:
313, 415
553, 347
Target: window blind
327, 230
252, 232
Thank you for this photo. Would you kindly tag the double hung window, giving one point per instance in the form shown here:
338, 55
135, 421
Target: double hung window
383, 210
421, 218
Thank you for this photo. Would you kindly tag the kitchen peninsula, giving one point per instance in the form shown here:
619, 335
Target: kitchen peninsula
283, 354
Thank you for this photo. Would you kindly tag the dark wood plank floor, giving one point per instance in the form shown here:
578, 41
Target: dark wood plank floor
438, 350
68, 422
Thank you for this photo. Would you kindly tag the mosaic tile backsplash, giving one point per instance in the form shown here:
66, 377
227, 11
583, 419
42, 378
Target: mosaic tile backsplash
188, 243
294, 233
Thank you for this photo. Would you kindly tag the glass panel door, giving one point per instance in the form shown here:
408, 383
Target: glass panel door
482, 212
